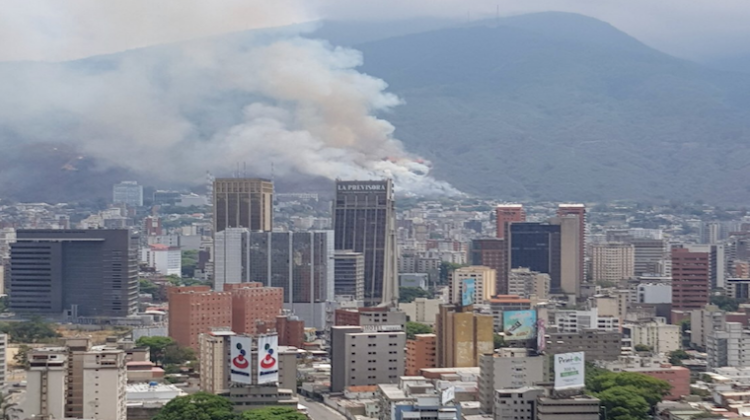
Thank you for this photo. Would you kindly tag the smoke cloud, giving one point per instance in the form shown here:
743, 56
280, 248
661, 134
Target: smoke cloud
270, 98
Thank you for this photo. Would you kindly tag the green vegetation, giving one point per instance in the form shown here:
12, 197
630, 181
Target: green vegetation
166, 352
498, 341
21, 358
642, 347
205, 406
8, 410
199, 406
408, 294
273, 413
725, 303
625, 395
414, 328
146, 286
189, 263
35, 330
446, 268
676, 357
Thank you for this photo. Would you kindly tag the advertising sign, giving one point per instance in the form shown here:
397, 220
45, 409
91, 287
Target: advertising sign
541, 332
448, 395
569, 370
239, 360
519, 325
467, 294
268, 359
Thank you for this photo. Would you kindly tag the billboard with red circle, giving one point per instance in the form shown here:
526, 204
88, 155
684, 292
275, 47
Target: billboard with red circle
239, 361
268, 359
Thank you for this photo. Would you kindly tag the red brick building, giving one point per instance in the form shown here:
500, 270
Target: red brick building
420, 354
505, 214
677, 376
242, 307
690, 279
291, 331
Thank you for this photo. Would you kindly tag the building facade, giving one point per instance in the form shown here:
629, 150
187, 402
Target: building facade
365, 358
536, 246
243, 203
526, 283
88, 273
579, 211
484, 279
690, 279
421, 353
128, 193
506, 214
349, 274
492, 253
364, 221
507, 370
462, 337
612, 262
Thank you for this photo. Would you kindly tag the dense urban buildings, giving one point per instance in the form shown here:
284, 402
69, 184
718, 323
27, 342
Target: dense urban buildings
86, 273
506, 214
128, 193
492, 253
361, 357
462, 336
536, 246
243, 203
364, 221
612, 262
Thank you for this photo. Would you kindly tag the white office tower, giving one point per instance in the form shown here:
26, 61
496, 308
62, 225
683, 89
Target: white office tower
228, 257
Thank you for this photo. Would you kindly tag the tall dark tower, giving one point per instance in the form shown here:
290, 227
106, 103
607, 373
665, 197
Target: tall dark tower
364, 220
243, 203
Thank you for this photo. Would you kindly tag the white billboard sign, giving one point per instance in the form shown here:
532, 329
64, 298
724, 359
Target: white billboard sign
448, 395
569, 370
268, 359
239, 361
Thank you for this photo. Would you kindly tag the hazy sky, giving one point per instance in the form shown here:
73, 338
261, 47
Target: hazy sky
57, 30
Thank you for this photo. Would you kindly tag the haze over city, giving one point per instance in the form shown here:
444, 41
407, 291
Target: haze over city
374, 210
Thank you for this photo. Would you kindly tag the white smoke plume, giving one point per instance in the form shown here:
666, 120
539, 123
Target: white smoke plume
173, 112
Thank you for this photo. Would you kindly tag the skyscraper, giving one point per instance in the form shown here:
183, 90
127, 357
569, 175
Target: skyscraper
580, 211
690, 279
243, 203
570, 253
364, 221
536, 246
90, 273
508, 213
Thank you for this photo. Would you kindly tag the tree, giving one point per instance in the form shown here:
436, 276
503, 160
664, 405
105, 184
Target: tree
445, 269
642, 347
725, 303
498, 341
274, 413
408, 294
651, 389
157, 346
189, 262
676, 357
8, 410
199, 406
21, 358
175, 354
35, 330
623, 403
148, 287
414, 328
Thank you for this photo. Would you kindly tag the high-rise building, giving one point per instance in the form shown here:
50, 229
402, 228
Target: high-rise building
570, 254
690, 279
128, 193
364, 221
254, 307
506, 214
89, 273
230, 266
243, 203
104, 384
195, 310
360, 357
484, 283
612, 262
420, 353
349, 274
46, 384
164, 259
300, 263
536, 246
462, 337
581, 407
578, 210
215, 351
492, 253
247, 308
650, 256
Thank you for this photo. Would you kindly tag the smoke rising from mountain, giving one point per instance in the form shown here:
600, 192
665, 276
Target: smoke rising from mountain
271, 99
